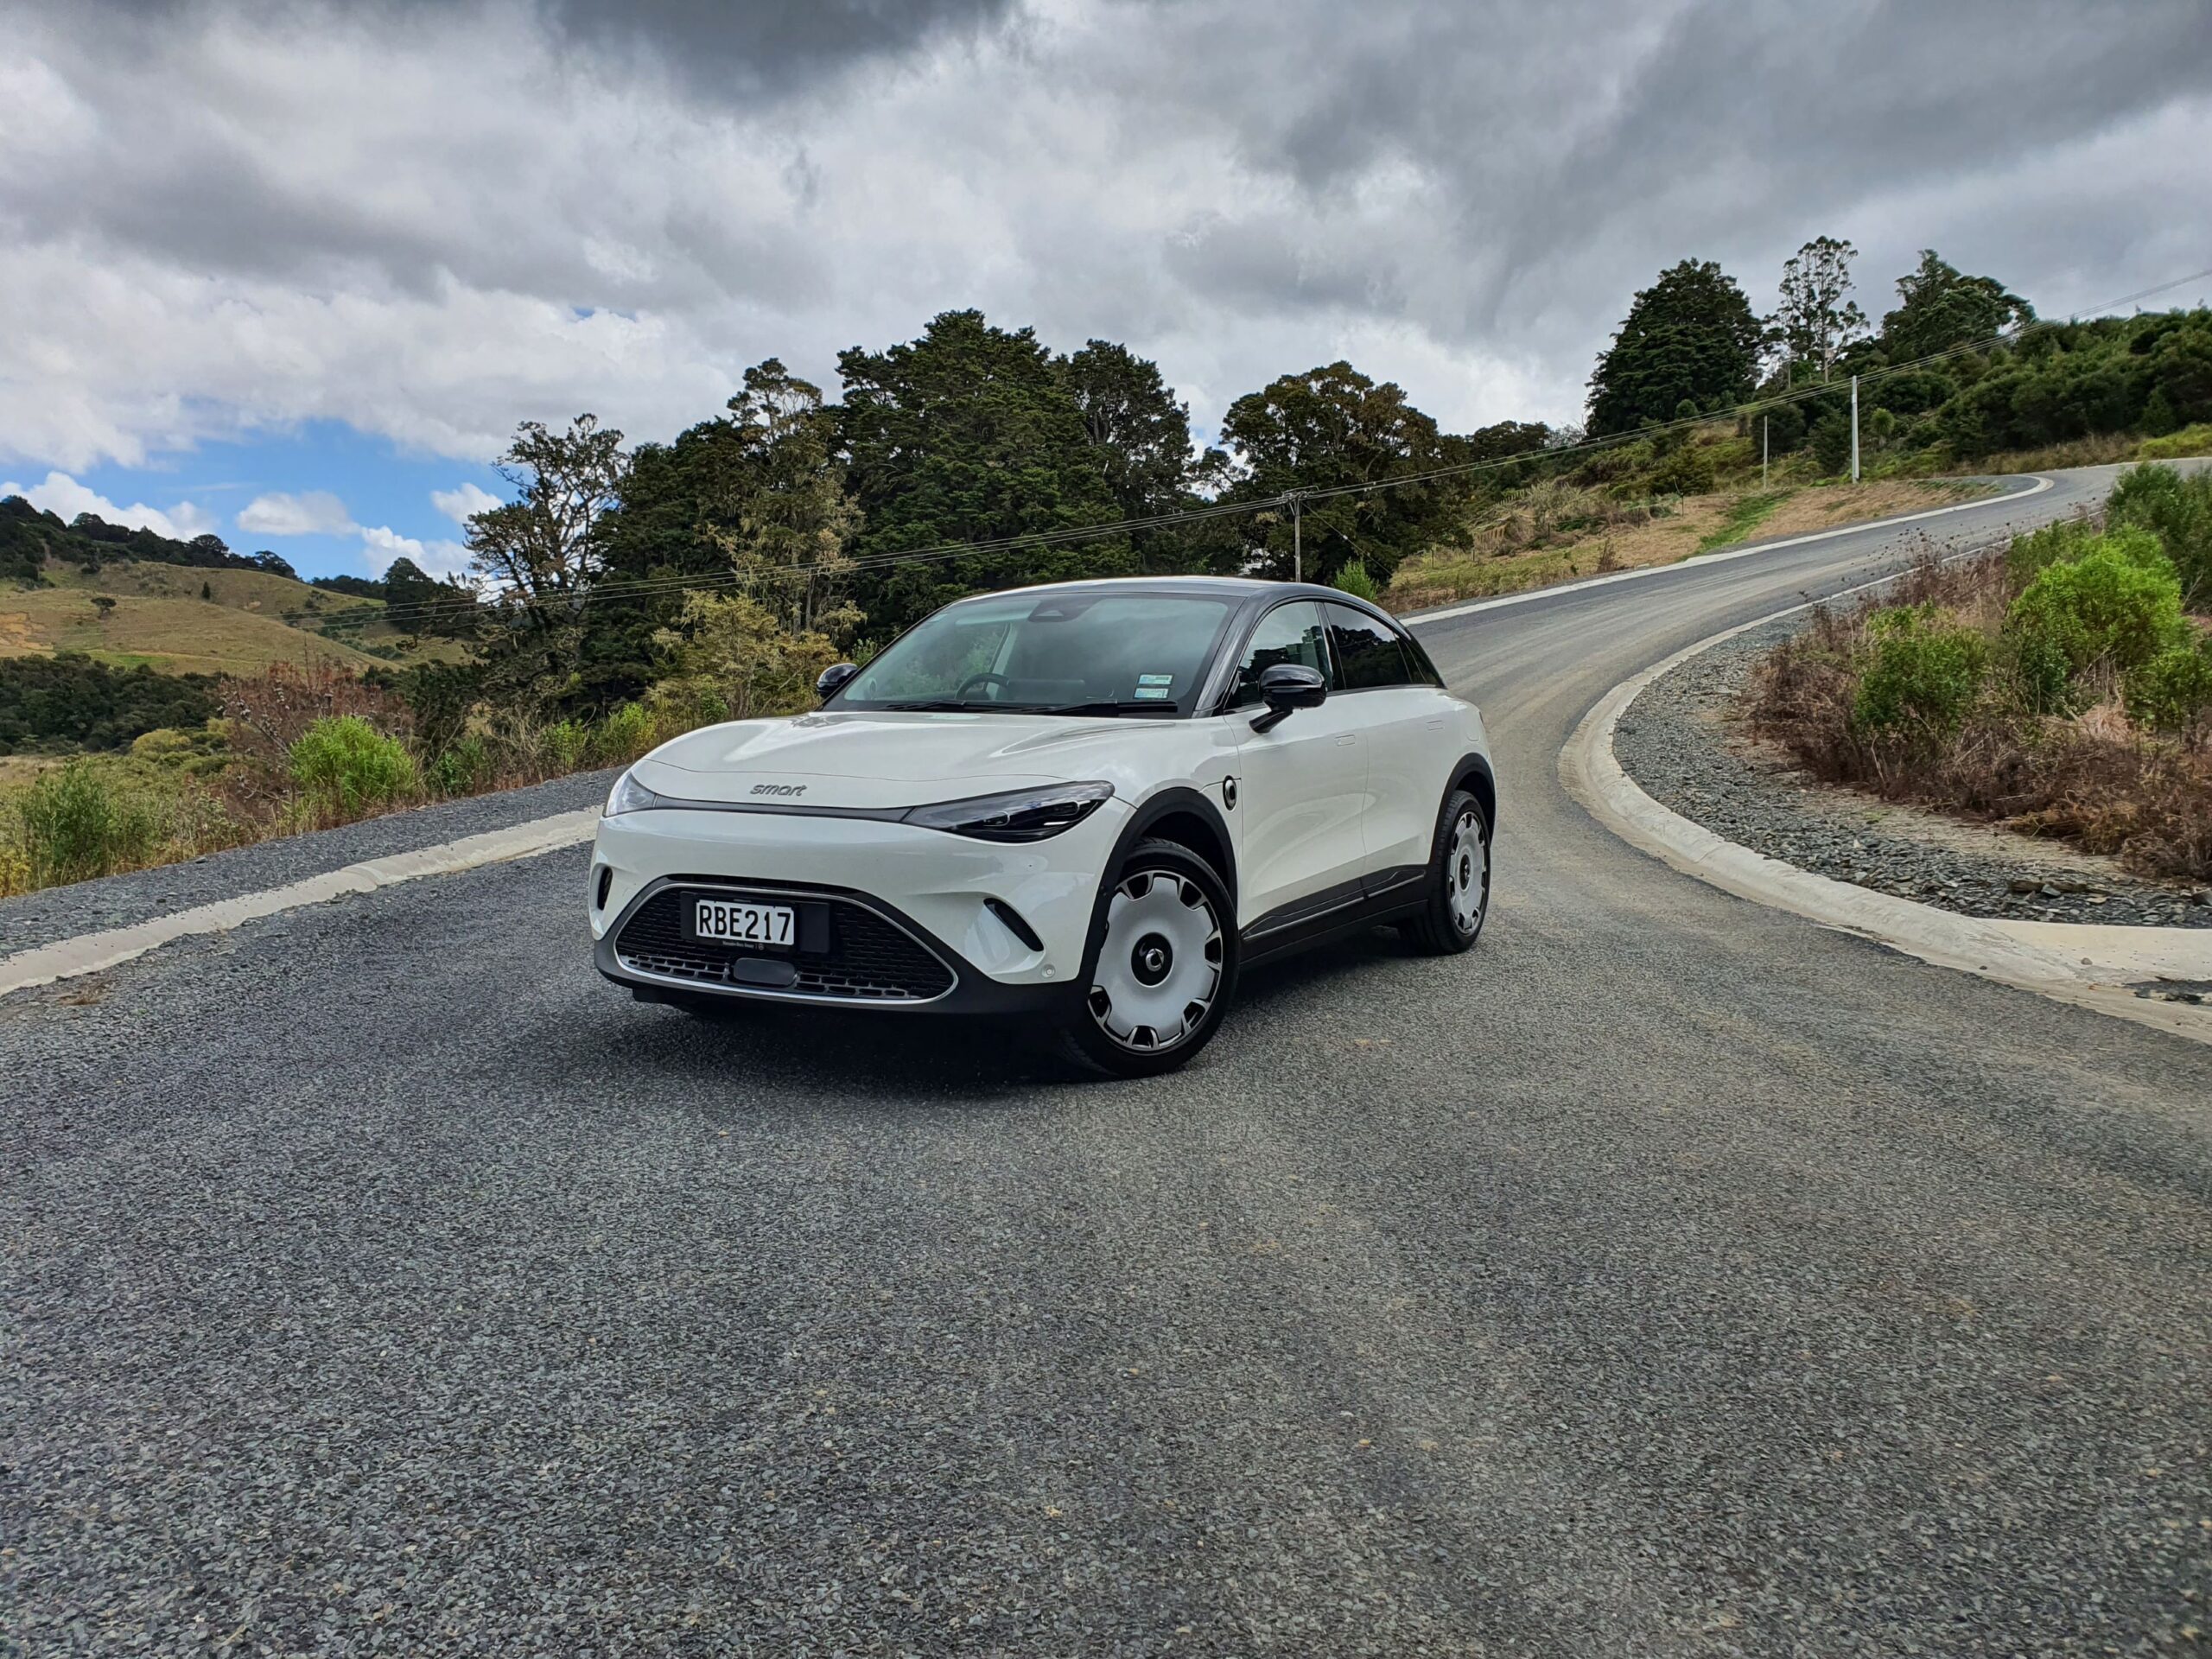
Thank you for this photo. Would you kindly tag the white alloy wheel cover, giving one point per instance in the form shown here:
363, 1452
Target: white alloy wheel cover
1151, 909
1466, 873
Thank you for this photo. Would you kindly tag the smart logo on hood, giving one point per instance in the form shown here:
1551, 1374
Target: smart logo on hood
780, 789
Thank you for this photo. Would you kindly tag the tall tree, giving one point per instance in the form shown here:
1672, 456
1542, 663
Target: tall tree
969, 434
1817, 317
1939, 306
787, 519
1327, 428
539, 552
1139, 433
1689, 336
537, 555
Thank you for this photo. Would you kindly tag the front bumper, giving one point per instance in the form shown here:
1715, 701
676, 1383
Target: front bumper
883, 891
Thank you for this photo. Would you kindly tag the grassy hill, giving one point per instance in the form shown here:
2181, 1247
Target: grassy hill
185, 620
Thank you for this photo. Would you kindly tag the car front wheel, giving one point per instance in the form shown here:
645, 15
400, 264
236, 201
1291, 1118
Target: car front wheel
1163, 971
1457, 896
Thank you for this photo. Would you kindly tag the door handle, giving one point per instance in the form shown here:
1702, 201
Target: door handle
1346, 739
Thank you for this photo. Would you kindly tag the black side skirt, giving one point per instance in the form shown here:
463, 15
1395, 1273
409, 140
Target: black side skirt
1385, 896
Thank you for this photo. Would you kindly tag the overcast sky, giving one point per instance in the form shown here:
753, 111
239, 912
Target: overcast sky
369, 239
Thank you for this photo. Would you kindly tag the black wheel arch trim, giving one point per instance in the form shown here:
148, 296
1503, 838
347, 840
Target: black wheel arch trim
1179, 798
1472, 772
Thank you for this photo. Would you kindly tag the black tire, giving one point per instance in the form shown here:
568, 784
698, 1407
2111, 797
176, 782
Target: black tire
1119, 1041
1443, 927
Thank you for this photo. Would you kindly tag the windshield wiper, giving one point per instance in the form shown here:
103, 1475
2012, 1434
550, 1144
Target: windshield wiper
941, 706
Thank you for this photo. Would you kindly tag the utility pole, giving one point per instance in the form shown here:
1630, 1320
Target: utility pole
1765, 421
1297, 539
1854, 428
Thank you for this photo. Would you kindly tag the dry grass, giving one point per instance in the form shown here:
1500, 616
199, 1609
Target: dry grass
2092, 779
1513, 552
175, 635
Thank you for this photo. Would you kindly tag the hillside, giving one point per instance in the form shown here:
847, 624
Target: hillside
172, 632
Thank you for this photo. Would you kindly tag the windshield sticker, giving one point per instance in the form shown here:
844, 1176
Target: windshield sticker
1156, 679
1160, 692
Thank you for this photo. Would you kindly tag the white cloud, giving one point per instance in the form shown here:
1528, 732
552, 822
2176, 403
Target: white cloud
381, 545
63, 494
311, 512
462, 504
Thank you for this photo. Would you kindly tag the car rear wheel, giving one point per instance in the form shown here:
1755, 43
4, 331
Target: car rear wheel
1458, 897
1163, 971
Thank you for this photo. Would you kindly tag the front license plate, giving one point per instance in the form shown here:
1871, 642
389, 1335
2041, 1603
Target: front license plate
722, 921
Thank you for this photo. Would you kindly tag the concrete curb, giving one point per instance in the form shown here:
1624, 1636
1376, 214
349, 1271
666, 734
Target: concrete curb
2087, 965
89, 953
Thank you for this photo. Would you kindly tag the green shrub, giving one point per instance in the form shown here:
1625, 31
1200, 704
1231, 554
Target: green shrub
1354, 580
1687, 471
2190, 441
628, 733
82, 821
2066, 539
344, 765
564, 744
2178, 511
462, 768
2172, 692
1923, 676
2118, 602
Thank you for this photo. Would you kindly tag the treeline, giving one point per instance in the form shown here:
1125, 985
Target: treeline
30, 536
1958, 369
69, 701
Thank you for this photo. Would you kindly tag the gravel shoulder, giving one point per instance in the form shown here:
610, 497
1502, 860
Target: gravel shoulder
57, 913
1683, 742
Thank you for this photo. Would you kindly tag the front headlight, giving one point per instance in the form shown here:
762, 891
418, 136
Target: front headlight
628, 795
1019, 815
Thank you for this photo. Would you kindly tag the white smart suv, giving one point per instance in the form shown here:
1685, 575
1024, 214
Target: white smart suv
1089, 804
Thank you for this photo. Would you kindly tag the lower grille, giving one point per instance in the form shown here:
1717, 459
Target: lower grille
868, 959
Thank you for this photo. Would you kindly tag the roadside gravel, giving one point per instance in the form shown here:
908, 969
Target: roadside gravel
1681, 741
57, 913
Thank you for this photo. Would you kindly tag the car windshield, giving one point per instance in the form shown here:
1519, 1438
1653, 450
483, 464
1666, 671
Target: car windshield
1056, 653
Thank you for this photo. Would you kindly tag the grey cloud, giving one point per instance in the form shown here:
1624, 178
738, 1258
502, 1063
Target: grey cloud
1240, 187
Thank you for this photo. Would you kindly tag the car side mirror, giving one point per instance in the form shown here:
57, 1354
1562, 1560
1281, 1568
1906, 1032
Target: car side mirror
1285, 687
834, 676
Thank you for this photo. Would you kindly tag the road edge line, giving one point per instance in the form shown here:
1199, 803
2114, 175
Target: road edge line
2087, 972
1421, 619
91, 953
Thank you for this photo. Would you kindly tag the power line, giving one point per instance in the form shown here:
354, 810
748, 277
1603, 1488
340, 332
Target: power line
1074, 534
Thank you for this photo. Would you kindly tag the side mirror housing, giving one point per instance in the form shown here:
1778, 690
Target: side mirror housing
834, 676
1286, 687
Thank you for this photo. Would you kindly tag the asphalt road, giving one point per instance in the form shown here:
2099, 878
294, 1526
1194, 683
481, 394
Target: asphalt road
1667, 1277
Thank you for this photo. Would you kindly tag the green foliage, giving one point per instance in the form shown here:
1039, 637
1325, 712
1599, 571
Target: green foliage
461, 768
1690, 338
970, 433
2173, 691
1938, 308
2065, 538
69, 701
1923, 676
420, 605
2174, 446
84, 821
627, 733
1687, 471
1830, 442
2178, 509
28, 538
1352, 578
1328, 428
345, 766
2117, 602
563, 746
729, 652
1816, 318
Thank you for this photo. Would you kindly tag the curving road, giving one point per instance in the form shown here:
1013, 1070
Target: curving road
1668, 1276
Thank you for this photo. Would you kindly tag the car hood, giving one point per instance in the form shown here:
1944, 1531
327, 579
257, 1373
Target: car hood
876, 760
